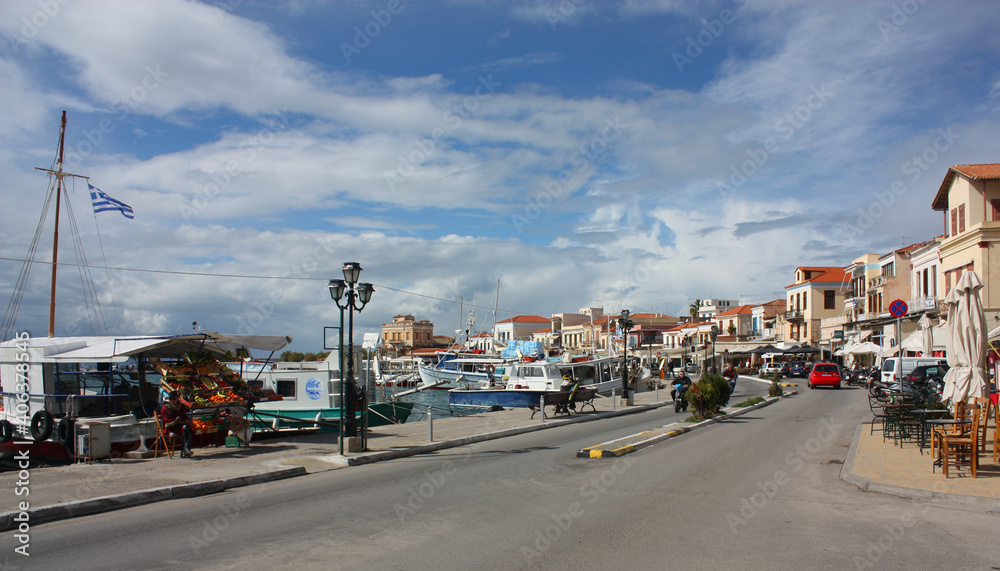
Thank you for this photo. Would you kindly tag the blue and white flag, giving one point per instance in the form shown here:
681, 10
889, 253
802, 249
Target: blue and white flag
103, 203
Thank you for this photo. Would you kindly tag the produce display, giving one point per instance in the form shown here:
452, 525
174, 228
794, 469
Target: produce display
217, 397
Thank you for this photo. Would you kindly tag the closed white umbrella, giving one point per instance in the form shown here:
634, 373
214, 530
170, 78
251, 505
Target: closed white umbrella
926, 336
966, 379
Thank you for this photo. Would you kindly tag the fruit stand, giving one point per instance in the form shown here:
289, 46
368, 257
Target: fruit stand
216, 397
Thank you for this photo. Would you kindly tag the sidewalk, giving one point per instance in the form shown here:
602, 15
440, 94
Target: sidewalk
886, 467
62, 492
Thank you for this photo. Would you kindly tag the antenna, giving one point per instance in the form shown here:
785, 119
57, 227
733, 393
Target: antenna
903, 239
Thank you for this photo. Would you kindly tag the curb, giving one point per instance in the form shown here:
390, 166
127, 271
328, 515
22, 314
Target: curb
47, 514
866, 485
597, 452
435, 446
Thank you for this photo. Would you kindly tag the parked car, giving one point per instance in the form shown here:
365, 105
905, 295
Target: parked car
895, 367
924, 373
795, 369
771, 368
825, 374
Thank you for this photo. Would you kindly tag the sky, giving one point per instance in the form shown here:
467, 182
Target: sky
626, 155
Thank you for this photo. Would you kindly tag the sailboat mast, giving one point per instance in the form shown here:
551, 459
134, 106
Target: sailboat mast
55, 235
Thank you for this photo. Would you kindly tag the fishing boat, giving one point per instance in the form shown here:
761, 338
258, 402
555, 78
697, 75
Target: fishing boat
305, 396
58, 388
527, 381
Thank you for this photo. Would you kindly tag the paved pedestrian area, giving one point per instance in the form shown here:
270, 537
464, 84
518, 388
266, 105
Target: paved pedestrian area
907, 467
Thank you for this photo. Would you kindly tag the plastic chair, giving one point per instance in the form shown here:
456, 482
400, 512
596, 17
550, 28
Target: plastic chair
169, 440
964, 448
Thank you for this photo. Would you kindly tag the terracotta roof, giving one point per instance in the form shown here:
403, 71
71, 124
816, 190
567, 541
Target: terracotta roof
541, 331
651, 316
739, 310
987, 171
827, 274
526, 319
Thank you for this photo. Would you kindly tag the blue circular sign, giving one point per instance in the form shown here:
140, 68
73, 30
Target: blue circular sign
314, 388
898, 308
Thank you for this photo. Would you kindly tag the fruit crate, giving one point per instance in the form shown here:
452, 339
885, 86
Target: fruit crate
236, 442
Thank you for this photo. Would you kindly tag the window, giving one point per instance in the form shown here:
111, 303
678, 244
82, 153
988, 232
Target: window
889, 270
829, 302
996, 209
805, 298
961, 218
954, 221
285, 388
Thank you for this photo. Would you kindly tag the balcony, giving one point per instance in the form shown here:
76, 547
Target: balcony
793, 316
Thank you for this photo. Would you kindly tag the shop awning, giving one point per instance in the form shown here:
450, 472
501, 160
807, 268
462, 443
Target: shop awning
120, 349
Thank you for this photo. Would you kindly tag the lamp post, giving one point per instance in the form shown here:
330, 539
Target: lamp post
353, 296
715, 334
625, 324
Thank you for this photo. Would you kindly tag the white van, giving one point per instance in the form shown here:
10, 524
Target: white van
894, 367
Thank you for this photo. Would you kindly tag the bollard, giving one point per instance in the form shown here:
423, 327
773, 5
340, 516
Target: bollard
614, 398
656, 392
541, 406
430, 424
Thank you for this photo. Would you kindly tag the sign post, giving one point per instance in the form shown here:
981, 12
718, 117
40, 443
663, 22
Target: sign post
898, 309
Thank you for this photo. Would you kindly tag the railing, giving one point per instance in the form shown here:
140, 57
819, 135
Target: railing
790, 315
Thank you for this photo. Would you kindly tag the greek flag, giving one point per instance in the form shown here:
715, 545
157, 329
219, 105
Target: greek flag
103, 203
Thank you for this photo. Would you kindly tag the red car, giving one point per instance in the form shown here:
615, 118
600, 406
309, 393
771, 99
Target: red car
824, 374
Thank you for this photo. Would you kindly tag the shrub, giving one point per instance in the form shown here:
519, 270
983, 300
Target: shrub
709, 394
749, 402
775, 389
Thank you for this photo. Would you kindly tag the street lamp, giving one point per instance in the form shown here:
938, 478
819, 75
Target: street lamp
625, 324
353, 296
715, 334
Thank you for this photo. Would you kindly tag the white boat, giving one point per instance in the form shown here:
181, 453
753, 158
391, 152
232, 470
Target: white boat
527, 381
54, 386
457, 369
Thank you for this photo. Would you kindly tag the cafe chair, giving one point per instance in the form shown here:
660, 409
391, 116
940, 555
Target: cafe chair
996, 433
956, 429
169, 440
962, 449
984, 417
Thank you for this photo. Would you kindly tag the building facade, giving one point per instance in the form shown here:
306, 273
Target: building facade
406, 333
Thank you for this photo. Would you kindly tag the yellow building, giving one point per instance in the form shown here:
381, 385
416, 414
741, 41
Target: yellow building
969, 197
406, 333
816, 294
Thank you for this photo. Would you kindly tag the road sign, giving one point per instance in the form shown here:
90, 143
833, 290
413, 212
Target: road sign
898, 308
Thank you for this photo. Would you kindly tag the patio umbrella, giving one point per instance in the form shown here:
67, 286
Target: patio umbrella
864, 348
966, 378
926, 336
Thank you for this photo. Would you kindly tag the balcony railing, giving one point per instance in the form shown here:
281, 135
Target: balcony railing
793, 316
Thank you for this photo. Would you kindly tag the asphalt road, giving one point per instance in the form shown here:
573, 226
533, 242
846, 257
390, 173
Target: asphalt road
760, 491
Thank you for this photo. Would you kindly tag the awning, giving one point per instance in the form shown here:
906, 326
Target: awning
120, 349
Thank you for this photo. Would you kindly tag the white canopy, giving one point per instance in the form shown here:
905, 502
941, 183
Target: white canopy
120, 349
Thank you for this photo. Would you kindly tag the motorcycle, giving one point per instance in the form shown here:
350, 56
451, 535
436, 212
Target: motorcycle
680, 403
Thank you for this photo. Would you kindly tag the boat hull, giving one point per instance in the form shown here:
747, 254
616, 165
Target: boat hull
507, 398
379, 414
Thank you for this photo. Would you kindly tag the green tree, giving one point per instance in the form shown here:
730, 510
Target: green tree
693, 309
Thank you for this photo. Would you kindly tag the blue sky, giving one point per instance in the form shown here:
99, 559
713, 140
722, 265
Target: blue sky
620, 154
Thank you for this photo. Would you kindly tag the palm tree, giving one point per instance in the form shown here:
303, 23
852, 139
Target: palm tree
693, 309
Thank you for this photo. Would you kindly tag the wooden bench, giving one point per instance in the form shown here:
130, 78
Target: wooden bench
561, 401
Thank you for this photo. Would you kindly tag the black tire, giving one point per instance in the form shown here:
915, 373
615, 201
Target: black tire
42, 424
65, 430
811, 387
677, 407
6, 431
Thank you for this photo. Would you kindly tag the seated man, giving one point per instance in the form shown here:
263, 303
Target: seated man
174, 415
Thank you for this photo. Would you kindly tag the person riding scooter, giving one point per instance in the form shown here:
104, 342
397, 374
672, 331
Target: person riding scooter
681, 387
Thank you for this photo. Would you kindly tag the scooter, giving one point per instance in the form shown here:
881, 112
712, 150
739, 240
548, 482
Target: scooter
680, 403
